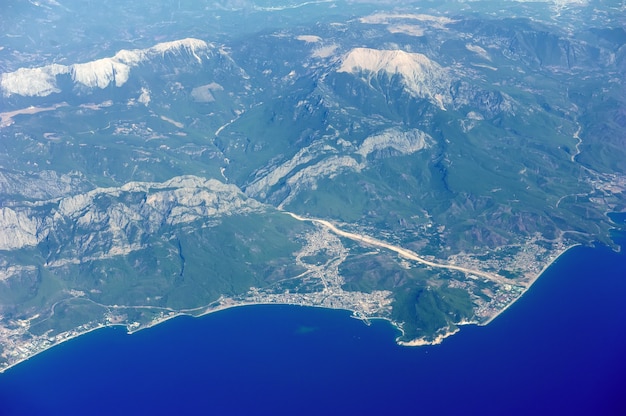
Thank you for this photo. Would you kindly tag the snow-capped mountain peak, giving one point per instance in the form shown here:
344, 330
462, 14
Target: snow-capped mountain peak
421, 76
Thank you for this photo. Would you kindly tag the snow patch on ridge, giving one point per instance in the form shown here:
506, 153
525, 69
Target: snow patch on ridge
478, 50
309, 38
32, 81
387, 18
94, 74
325, 51
101, 73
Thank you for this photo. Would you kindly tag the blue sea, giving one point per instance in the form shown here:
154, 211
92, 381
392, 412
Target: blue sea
561, 349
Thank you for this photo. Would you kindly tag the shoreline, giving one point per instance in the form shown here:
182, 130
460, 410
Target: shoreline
439, 338
189, 313
207, 310
531, 282
68, 338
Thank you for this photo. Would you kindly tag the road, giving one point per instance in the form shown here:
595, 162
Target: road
401, 251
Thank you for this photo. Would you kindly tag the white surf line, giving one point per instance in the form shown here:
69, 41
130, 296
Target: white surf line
402, 251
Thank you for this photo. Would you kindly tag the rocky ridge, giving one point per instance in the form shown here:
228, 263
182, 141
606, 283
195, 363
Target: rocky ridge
113, 221
327, 159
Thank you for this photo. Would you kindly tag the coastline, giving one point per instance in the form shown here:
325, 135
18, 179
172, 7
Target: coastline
206, 310
189, 312
304, 346
531, 282
63, 340
423, 341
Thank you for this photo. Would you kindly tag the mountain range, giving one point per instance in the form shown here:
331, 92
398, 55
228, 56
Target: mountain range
422, 166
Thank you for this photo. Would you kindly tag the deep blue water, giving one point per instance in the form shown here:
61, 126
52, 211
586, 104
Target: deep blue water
561, 349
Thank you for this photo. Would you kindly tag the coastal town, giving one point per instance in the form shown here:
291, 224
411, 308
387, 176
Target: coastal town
319, 285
